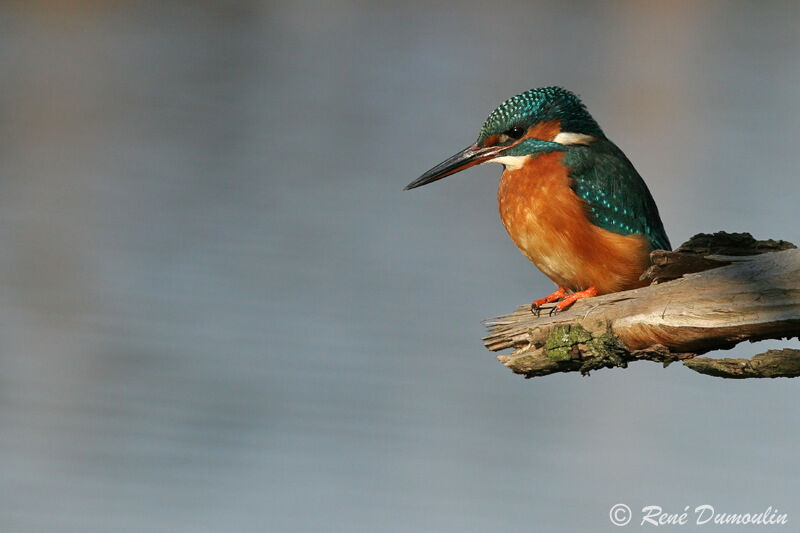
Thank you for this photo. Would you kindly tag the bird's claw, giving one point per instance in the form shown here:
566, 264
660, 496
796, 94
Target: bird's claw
536, 306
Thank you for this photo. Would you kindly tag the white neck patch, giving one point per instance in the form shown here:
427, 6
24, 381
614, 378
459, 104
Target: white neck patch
567, 138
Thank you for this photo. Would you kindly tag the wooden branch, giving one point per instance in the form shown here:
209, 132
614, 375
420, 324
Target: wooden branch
753, 298
770, 364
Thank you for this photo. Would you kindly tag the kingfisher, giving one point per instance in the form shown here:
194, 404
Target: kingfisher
569, 198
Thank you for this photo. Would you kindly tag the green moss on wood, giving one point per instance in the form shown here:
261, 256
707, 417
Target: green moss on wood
562, 343
586, 350
607, 351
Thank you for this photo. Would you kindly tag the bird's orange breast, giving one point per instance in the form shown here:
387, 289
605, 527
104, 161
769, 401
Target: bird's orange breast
549, 223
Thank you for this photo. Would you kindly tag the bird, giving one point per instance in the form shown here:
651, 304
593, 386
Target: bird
569, 198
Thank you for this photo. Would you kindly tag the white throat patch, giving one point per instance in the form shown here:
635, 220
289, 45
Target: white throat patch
511, 162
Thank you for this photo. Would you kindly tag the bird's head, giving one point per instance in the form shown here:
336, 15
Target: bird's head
543, 120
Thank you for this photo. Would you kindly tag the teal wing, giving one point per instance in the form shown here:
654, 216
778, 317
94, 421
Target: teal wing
617, 197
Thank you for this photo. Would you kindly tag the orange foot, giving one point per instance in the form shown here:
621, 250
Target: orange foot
561, 292
575, 296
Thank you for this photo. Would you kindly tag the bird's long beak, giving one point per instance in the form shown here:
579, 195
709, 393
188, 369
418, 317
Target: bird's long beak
469, 156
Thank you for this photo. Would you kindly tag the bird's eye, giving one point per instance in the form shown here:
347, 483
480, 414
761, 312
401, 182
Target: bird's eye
515, 133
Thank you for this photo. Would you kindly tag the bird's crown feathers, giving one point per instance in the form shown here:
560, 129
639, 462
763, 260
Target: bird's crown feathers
540, 105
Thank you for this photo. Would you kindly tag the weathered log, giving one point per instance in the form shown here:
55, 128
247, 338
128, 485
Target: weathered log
753, 297
705, 251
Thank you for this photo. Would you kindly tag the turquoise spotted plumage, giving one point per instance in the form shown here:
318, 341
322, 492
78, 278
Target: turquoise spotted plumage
617, 197
545, 103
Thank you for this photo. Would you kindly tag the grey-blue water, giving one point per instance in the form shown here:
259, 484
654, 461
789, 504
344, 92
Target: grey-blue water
220, 312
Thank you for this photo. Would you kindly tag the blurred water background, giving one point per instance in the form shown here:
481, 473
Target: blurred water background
220, 312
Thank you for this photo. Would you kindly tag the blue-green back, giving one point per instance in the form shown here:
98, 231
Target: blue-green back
618, 198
